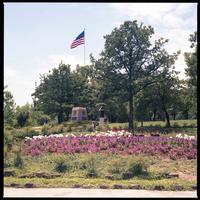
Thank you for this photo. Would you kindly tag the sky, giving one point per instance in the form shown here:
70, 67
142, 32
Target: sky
37, 36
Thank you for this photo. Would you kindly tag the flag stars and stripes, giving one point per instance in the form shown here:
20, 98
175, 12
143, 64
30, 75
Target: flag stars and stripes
80, 39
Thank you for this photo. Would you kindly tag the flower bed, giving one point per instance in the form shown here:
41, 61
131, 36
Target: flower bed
124, 143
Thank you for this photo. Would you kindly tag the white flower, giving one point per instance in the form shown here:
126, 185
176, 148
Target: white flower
179, 135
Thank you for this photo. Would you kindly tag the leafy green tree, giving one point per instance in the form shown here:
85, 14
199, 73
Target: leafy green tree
54, 95
23, 115
186, 102
191, 61
191, 72
84, 92
147, 104
62, 89
167, 90
141, 110
40, 118
9, 107
130, 62
22, 118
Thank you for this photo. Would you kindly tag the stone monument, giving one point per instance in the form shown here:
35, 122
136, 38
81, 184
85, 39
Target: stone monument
79, 114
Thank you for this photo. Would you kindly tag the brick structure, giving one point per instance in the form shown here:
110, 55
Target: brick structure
79, 114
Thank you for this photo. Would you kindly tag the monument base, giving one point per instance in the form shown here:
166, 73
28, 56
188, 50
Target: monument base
101, 120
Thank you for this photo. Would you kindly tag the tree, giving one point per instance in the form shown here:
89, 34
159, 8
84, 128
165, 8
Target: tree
115, 105
191, 72
167, 89
62, 89
9, 107
130, 62
54, 95
147, 104
84, 92
22, 118
23, 115
186, 102
39, 118
142, 109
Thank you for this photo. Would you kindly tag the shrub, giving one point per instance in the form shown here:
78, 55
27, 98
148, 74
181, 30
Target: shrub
22, 118
9, 160
43, 119
137, 167
8, 136
18, 161
62, 165
91, 167
116, 166
31, 132
45, 130
27, 132
56, 130
83, 165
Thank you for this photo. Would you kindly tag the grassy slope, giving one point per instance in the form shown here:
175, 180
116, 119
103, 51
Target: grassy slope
104, 164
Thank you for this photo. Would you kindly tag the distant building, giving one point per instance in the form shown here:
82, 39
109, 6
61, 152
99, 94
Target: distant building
79, 114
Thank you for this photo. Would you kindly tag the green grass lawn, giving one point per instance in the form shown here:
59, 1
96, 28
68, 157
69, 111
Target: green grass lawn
179, 123
87, 124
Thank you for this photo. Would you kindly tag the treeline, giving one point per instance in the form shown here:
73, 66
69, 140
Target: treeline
134, 77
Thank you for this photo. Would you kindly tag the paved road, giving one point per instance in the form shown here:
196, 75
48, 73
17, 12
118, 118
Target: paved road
77, 192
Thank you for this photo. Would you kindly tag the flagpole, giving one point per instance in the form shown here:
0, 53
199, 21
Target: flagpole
84, 47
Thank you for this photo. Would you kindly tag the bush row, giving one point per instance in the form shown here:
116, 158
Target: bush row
90, 166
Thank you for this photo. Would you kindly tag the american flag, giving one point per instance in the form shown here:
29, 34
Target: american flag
80, 39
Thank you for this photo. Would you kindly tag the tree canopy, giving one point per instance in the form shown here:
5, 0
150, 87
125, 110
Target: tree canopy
134, 77
130, 62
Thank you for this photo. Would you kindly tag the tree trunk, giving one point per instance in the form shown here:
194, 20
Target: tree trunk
141, 123
130, 122
186, 114
167, 118
174, 116
60, 117
154, 115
